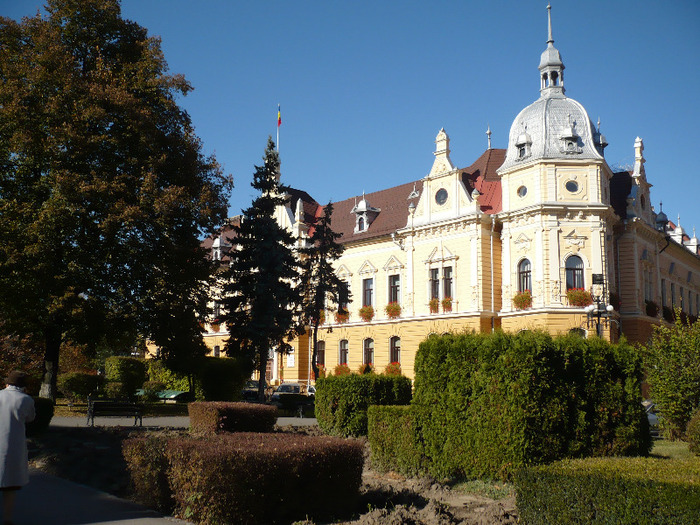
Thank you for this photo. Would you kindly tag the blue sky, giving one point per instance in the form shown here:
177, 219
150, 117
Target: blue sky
365, 86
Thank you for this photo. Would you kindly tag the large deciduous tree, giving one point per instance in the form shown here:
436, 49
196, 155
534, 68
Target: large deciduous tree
104, 190
261, 296
672, 363
320, 283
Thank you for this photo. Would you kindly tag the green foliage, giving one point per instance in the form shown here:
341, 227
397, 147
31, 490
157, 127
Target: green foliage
672, 363
77, 386
104, 190
367, 313
43, 409
692, 433
342, 370
208, 418
610, 490
116, 390
212, 480
319, 281
148, 468
394, 439
158, 371
129, 371
522, 300
489, 404
151, 389
365, 368
222, 379
260, 295
579, 297
342, 401
393, 369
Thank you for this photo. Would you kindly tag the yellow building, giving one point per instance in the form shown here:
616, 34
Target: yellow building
521, 239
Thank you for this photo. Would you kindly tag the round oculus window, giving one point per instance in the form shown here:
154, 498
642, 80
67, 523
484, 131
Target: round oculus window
572, 186
522, 191
441, 196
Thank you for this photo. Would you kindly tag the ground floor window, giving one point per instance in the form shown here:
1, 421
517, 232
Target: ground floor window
368, 353
343, 352
395, 350
321, 353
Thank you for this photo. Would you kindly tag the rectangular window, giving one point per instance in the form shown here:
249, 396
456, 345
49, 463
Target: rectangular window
321, 353
217, 351
673, 294
343, 299
343, 352
395, 350
368, 354
394, 289
447, 281
367, 292
681, 296
435, 283
663, 292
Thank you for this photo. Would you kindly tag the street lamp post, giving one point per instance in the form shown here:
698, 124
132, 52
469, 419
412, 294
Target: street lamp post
599, 312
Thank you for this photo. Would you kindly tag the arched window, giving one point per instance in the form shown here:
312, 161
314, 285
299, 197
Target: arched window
360, 224
217, 351
395, 350
524, 276
578, 331
574, 272
368, 353
321, 353
343, 352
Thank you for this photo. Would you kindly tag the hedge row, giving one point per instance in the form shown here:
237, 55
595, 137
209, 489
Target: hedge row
485, 405
394, 439
692, 433
247, 478
77, 386
342, 401
610, 490
213, 417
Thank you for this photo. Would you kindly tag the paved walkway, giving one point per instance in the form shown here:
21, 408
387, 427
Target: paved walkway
49, 500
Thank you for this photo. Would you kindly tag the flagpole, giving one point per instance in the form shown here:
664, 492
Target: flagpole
279, 121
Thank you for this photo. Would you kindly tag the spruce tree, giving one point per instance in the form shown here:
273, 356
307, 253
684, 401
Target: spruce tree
261, 296
319, 281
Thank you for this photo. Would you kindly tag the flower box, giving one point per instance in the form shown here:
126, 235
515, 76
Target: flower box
651, 308
393, 310
579, 297
342, 317
447, 304
522, 300
366, 313
434, 305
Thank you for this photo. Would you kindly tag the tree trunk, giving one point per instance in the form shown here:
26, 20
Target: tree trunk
51, 353
314, 354
262, 371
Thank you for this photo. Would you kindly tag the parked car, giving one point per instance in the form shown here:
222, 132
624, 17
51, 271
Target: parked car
250, 390
652, 417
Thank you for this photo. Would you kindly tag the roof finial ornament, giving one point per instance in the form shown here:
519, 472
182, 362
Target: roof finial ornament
488, 134
549, 23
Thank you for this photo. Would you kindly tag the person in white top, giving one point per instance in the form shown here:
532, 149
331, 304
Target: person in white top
16, 409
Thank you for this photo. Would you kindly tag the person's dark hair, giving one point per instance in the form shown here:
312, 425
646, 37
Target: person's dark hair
17, 378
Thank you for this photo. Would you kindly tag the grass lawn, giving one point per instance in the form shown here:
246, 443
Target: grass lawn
63, 409
664, 448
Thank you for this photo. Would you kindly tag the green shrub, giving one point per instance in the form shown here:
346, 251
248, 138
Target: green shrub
157, 371
129, 371
212, 480
151, 389
342, 370
489, 404
148, 468
393, 439
342, 401
365, 369
116, 390
222, 379
77, 386
212, 417
43, 409
692, 433
610, 490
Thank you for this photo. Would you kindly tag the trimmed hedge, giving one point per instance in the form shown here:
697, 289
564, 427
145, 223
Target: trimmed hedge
222, 378
213, 417
79, 385
487, 404
393, 439
130, 372
148, 466
692, 433
248, 478
43, 409
610, 490
342, 401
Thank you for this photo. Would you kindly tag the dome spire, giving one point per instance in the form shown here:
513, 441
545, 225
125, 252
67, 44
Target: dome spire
551, 66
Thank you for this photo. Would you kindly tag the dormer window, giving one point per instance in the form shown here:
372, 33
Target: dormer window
523, 144
364, 215
569, 139
360, 224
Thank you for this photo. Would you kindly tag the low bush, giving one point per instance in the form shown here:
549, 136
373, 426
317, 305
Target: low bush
77, 386
129, 371
157, 371
393, 439
116, 390
342, 401
292, 477
212, 417
43, 409
610, 490
148, 467
692, 433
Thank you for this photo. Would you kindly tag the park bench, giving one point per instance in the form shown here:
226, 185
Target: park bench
114, 408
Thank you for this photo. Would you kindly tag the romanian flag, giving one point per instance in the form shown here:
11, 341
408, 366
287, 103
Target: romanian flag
279, 116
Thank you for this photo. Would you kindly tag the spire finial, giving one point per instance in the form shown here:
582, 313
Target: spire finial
549, 23
488, 134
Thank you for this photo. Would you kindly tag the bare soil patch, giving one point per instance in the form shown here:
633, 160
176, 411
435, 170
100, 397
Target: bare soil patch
92, 456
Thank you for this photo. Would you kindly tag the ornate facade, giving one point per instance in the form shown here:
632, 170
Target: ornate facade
524, 238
